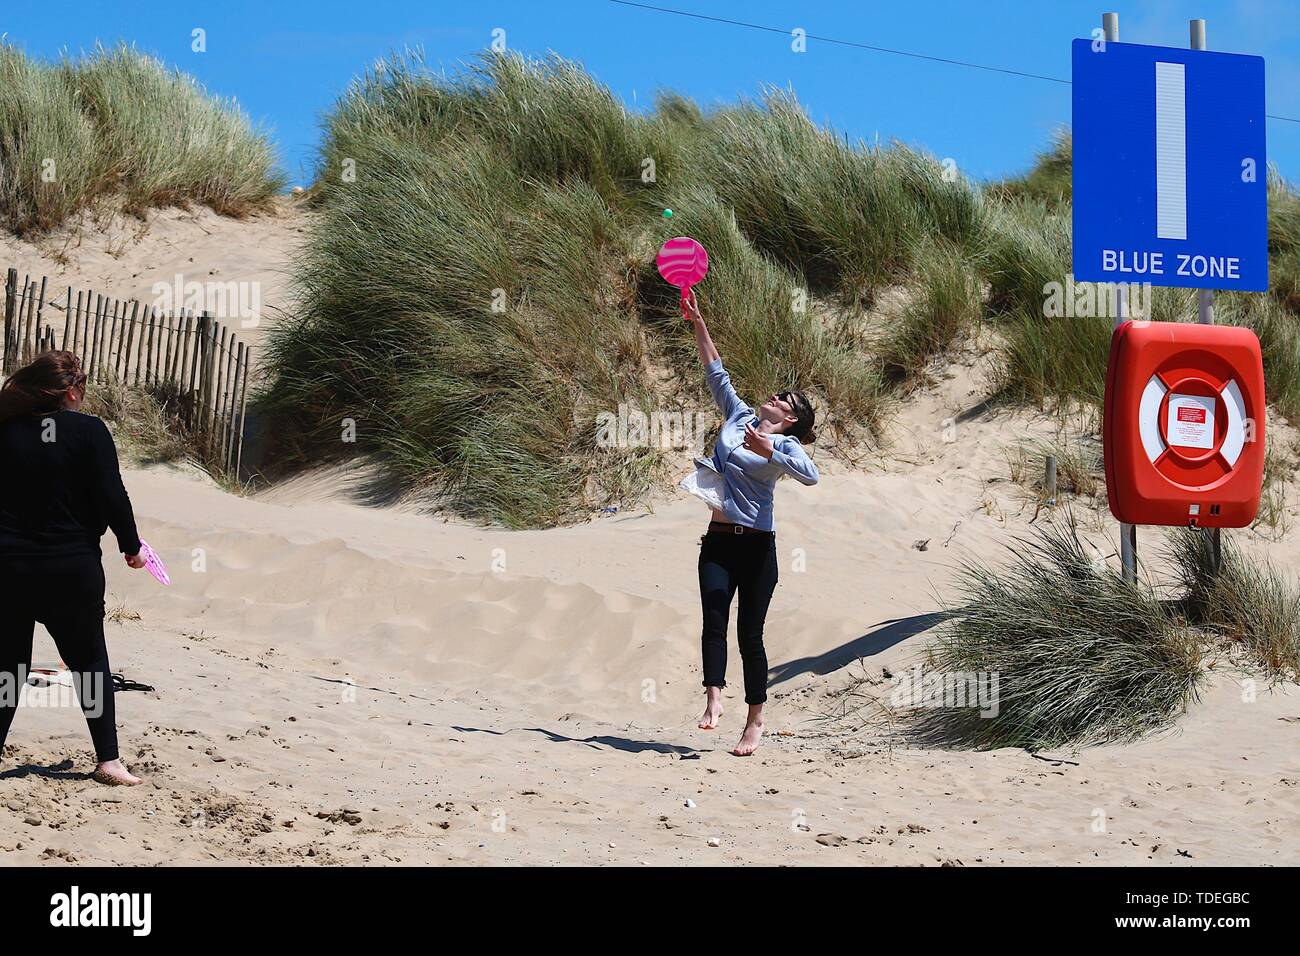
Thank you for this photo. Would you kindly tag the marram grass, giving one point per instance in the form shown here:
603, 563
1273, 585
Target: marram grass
116, 124
1250, 603
1081, 656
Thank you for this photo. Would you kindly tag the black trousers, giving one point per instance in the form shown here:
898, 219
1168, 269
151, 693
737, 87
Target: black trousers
67, 596
731, 563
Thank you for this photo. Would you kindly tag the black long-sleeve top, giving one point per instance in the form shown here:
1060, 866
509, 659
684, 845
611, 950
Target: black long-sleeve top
60, 487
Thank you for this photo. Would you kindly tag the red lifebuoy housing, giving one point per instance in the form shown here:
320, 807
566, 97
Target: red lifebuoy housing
1183, 424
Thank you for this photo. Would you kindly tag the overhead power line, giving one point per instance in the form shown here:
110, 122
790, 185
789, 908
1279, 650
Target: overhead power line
867, 46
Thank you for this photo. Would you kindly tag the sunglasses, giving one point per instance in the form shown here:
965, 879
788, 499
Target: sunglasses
794, 401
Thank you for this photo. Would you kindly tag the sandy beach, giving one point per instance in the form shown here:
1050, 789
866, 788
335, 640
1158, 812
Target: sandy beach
338, 683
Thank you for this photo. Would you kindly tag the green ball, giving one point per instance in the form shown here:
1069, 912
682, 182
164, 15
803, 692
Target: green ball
668, 214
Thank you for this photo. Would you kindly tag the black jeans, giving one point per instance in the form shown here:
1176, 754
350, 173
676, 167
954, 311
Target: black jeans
731, 563
67, 596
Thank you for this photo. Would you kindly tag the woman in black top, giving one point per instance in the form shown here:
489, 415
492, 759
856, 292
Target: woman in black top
60, 489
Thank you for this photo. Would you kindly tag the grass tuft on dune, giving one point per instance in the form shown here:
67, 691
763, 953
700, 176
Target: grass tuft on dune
145, 424
49, 160
116, 124
845, 215
1081, 655
1250, 603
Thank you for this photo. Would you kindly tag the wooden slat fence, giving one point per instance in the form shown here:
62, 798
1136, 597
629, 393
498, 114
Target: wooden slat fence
190, 359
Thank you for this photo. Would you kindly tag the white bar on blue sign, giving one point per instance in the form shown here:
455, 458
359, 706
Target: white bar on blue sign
1171, 151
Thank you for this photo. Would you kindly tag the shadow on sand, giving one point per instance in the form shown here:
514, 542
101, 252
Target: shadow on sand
59, 771
885, 636
618, 743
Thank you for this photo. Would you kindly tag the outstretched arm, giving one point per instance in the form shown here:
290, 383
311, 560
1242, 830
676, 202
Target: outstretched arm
720, 387
691, 310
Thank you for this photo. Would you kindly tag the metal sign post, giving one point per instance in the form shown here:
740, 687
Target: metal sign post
1205, 309
1127, 532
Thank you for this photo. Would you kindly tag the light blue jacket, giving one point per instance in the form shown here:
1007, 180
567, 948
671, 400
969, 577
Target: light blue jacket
749, 478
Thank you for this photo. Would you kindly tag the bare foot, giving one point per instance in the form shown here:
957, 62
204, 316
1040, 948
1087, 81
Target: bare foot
749, 740
712, 710
115, 774
753, 732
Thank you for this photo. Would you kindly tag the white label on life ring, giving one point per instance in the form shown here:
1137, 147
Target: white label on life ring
1191, 421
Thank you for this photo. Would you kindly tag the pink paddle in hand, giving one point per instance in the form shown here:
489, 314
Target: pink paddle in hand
683, 262
152, 563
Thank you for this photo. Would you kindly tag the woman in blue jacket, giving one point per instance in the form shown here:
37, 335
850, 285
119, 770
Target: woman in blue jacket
755, 448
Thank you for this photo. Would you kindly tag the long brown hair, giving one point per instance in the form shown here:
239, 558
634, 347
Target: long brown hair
41, 385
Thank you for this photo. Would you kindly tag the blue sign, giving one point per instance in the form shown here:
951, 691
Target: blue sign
1170, 175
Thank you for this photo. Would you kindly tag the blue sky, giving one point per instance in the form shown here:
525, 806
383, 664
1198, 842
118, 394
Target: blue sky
287, 61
